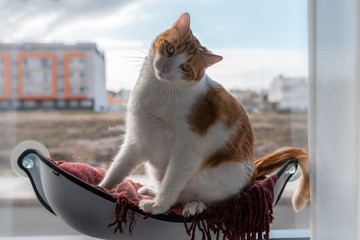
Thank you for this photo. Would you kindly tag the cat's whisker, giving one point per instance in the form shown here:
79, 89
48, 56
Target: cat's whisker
167, 98
175, 100
138, 50
140, 61
168, 95
171, 93
140, 66
145, 46
160, 107
132, 56
160, 103
136, 69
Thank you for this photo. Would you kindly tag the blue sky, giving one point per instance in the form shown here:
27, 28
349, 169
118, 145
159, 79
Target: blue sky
258, 39
239, 23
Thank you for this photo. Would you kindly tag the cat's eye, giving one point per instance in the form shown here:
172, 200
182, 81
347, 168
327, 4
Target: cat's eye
186, 67
170, 49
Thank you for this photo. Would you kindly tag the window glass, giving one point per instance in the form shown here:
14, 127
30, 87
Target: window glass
45, 62
264, 66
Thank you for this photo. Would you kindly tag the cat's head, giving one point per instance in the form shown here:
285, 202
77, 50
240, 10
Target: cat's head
178, 55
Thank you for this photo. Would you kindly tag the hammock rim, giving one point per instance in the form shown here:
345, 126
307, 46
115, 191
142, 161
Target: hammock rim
282, 175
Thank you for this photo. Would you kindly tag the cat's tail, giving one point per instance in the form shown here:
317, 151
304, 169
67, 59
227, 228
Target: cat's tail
270, 163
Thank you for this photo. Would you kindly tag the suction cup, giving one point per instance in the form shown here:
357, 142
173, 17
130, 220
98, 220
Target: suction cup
292, 170
20, 148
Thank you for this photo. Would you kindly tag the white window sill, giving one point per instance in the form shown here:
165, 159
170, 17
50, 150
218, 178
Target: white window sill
295, 234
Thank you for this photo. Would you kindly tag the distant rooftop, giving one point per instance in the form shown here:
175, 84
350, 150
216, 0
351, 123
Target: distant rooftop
37, 46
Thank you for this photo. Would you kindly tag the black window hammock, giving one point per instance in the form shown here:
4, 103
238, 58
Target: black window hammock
70, 191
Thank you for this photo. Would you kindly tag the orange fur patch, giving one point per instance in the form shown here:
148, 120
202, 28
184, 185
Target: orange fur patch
188, 45
219, 105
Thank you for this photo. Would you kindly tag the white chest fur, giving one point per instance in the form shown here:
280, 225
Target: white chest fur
157, 116
158, 131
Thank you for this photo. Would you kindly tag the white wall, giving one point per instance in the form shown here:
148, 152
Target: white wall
334, 119
275, 93
100, 93
289, 93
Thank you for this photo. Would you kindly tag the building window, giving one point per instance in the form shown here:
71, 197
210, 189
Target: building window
61, 104
82, 62
82, 76
5, 83
75, 76
45, 62
77, 62
49, 47
84, 48
46, 90
46, 77
73, 104
25, 62
29, 104
86, 103
26, 76
72, 76
72, 62
48, 104
28, 90
37, 72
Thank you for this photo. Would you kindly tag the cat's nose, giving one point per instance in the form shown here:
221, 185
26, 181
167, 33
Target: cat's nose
166, 69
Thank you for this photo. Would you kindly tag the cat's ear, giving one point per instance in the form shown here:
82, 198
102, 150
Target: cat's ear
183, 23
210, 59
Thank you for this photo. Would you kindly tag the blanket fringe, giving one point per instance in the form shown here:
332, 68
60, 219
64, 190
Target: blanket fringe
125, 211
246, 217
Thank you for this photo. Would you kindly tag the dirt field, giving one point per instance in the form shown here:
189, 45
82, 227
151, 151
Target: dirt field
94, 138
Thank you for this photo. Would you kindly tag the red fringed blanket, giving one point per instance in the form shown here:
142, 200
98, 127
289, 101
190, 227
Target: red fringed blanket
246, 216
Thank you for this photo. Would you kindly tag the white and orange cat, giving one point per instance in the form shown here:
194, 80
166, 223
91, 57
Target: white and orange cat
196, 137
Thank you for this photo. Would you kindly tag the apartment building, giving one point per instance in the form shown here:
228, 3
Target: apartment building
52, 76
289, 93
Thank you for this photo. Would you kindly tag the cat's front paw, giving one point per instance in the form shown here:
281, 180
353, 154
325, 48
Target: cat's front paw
151, 206
193, 208
107, 184
147, 190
